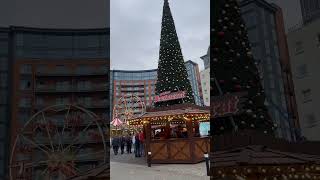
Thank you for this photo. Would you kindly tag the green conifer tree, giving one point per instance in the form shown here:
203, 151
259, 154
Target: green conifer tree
234, 69
172, 73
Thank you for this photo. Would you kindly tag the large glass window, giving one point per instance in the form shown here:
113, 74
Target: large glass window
3, 96
3, 131
3, 79
3, 64
3, 114
302, 71
306, 95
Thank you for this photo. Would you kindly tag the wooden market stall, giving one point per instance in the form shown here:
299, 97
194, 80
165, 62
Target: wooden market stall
261, 162
172, 133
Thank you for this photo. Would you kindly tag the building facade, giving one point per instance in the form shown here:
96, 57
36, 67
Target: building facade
262, 21
205, 78
310, 10
5, 93
304, 44
43, 68
142, 83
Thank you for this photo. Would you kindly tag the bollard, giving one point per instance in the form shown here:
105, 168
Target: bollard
149, 159
206, 157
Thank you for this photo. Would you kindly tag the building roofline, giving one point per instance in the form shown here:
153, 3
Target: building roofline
189, 61
135, 71
270, 6
202, 57
55, 30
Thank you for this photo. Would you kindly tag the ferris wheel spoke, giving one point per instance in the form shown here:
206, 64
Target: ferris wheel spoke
35, 144
64, 126
77, 138
49, 135
45, 171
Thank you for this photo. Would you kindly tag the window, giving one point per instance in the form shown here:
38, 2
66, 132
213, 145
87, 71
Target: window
310, 120
26, 69
318, 39
3, 64
62, 100
25, 84
302, 71
3, 79
306, 95
3, 114
25, 102
3, 96
267, 46
299, 47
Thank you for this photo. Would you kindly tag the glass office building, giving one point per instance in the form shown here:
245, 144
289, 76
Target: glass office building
310, 10
142, 84
4, 100
260, 19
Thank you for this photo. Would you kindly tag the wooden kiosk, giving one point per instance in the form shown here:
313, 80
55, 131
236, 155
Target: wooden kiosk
179, 139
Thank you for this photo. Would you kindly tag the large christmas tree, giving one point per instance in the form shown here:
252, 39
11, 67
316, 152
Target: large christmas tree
234, 70
172, 73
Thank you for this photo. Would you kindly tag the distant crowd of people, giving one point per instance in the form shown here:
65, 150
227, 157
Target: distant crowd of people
136, 140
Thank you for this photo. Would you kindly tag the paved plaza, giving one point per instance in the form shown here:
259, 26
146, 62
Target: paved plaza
128, 167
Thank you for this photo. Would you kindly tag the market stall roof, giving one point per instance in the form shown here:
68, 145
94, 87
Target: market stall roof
116, 122
261, 159
180, 110
260, 155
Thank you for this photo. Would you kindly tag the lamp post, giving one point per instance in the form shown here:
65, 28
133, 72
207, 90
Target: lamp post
149, 159
206, 157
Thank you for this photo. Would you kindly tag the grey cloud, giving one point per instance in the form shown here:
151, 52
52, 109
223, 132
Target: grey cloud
136, 25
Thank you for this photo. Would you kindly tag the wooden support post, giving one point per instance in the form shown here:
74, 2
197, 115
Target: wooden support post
147, 130
190, 128
190, 139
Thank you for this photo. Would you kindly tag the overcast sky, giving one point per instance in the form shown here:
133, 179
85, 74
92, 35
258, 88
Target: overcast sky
135, 31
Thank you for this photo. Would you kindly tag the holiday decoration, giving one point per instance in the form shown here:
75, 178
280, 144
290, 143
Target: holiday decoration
172, 73
60, 137
238, 70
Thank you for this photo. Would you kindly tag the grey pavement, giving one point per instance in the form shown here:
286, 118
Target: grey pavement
128, 167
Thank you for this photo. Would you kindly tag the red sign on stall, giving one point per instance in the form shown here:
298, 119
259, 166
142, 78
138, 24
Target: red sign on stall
225, 105
167, 96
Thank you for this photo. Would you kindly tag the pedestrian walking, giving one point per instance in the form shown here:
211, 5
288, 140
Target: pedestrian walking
141, 140
129, 143
137, 145
122, 143
115, 144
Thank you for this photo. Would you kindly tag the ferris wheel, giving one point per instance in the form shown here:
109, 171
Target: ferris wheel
129, 106
57, 143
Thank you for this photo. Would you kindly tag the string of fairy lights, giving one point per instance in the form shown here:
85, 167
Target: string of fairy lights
235, 69
172, 73
173, 119
270, 172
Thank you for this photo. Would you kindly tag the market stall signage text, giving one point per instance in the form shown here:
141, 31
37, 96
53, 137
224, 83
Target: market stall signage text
167, 96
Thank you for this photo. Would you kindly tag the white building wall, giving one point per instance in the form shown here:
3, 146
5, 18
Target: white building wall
304, 49
205, 84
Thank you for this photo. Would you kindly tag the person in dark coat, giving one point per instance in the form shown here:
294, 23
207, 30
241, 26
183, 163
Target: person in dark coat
115, 145
137, 146
129, 143
122, 143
